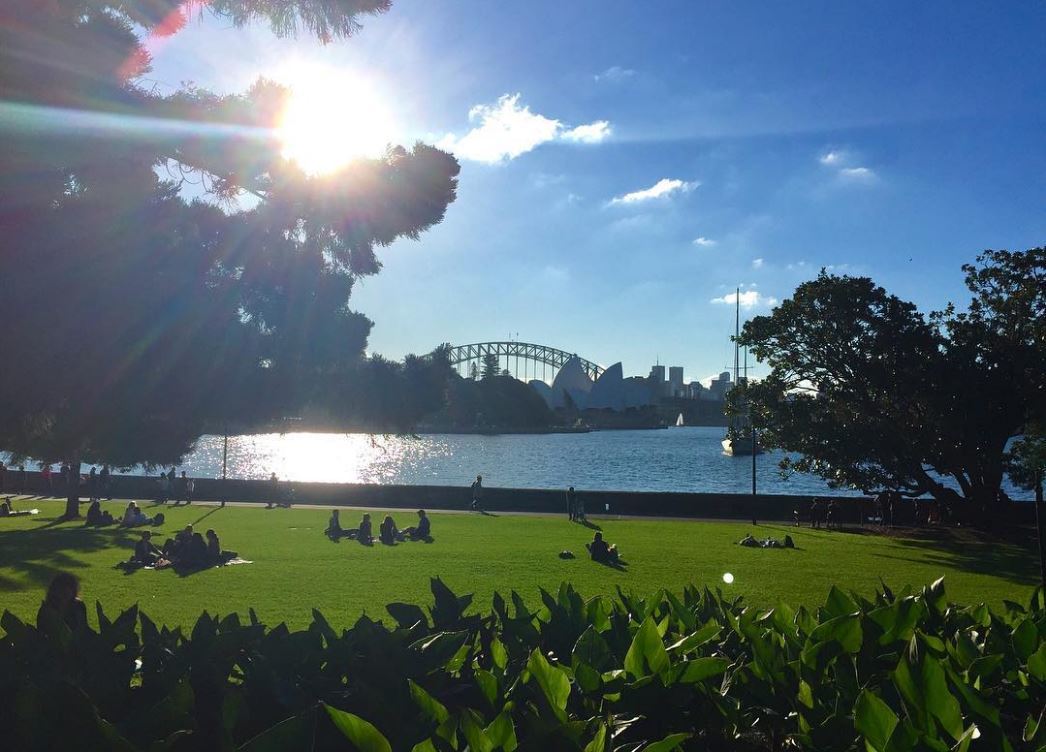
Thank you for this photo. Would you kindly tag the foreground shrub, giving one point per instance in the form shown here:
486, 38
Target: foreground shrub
689, 671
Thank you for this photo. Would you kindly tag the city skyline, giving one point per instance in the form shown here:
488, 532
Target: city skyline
616, 188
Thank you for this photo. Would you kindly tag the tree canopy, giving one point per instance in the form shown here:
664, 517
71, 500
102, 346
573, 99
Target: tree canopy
870, 393
136, 316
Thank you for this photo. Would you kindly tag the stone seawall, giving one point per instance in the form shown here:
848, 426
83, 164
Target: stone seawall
765, 507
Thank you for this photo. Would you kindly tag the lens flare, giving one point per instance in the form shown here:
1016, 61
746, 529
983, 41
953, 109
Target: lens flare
728, 578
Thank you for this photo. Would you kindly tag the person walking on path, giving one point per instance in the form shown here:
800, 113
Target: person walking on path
571, 504
477, 494
105, 480
45, 474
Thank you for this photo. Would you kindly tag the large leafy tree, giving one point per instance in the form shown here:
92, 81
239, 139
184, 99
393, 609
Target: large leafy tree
136, 318
869, 393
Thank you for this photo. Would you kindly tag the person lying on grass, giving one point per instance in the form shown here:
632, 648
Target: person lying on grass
6, 511
600, 551
133, 517
424, 529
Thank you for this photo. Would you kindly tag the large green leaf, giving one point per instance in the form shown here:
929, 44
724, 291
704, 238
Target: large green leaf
667, 744
295, 732
647, 654
874, 720
592, 650
1025, 638
502, 732
1037, 663
430, 707
693, 641
362, 734
846, 630
699, 669
553, 681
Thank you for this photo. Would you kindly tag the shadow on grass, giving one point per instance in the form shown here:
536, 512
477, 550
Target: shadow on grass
40, 553
619, 564
589, 525
968, 551
1013, 557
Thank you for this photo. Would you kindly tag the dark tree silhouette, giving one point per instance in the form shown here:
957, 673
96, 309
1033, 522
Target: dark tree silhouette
872, 394
134, 318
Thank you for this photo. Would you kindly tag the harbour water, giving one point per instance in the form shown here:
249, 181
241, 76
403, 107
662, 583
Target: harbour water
675, 459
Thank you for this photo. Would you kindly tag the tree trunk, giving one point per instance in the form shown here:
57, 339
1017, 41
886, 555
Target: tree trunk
72, 500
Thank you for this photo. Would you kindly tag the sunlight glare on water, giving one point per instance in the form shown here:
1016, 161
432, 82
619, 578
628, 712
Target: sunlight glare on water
676, 459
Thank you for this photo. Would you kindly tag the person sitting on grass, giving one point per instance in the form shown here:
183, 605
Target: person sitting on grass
215, 555
96, 517
175, 548
334, 531
366, 532
194, 554
145, 553
424, 529
62, 605
600, 551
387, 533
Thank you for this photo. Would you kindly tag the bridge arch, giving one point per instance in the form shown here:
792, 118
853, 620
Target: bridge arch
511, 354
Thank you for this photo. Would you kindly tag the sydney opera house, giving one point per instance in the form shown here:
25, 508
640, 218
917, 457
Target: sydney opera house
610, 391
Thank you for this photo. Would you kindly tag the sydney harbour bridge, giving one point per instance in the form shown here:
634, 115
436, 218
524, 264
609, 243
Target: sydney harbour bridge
523, 360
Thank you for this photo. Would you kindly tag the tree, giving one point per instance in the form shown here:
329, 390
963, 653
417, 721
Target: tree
137, 318
491, 368
871, 394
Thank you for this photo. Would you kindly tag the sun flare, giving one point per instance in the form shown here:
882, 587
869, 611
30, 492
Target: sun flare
331, 119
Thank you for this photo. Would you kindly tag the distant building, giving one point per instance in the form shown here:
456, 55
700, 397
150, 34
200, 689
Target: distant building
609, 391
720, 386
675, 381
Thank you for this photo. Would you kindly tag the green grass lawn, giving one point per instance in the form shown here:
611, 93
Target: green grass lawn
295, 568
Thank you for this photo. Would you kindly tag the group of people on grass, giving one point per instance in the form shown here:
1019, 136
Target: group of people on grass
388, 533
187, 550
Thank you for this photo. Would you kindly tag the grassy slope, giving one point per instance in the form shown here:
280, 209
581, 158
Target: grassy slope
295, 568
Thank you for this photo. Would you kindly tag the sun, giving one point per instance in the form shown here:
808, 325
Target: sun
332, 118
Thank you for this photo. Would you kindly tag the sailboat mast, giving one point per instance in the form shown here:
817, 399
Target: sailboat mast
737, 330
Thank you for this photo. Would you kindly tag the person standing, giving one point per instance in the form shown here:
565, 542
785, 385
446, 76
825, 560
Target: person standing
571, 504
274, 485
92, 484
105, 481
180, 486
477, 494
23, 480
190, 487
45, 475
3, 476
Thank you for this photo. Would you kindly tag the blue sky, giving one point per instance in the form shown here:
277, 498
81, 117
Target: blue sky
626, 165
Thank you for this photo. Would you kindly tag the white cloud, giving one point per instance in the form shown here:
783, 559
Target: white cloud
661, 189
507, 129
748, 298
593, 133
615, 74
847, 171
832, 157
858, 174
798, 266
704, 242
757, 263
